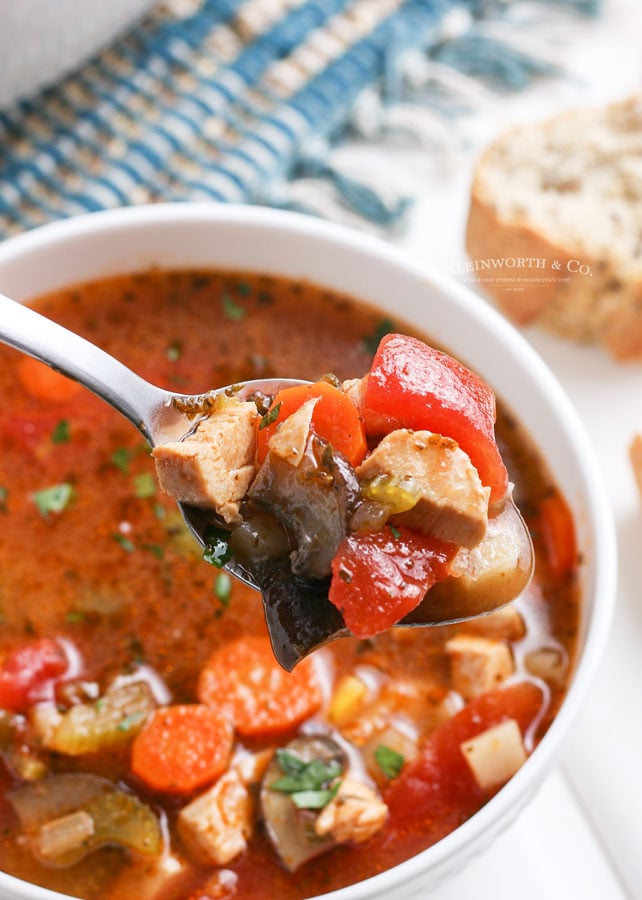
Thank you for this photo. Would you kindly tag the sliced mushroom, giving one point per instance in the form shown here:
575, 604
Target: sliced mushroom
290, 828
69, 815
297, 611
313, 499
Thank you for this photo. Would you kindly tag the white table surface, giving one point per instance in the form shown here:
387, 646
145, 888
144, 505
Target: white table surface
582, 836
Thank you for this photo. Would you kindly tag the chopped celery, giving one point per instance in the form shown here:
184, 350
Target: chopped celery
111, 720
121, 818
68, 816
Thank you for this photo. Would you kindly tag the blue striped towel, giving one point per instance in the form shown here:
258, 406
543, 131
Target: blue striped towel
235, 100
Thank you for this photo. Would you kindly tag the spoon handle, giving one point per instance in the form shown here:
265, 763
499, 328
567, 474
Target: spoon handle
32, 333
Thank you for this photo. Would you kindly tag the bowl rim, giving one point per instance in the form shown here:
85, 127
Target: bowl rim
17, 249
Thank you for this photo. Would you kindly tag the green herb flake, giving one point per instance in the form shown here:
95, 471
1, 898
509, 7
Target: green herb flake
394, 532
243, 288
53, 499
232, 310
144, 486
389, 761
61, 433
311, 784
121, 457
217, 550
75, 617
4, 496
126, 723
314, 799
371, 341
174, 351
124, 542
223, 588
155, 549
271, 416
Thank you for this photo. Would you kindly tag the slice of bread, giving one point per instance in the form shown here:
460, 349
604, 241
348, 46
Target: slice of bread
554, 231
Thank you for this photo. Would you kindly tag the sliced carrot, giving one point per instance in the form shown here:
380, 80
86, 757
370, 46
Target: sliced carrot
45, 383
181, 748
335, 418
558, 532
244, 680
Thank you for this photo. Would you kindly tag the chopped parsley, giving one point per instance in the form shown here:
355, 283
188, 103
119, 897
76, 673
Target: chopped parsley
126, 723
54, 499
389, 761
271, 416
217, 550
243, 288
4, 496
371, 341
312, 784
124, 542
174, 351
121, 457
223, 588
75, 616
61, 433
155, 549
231, 309
394, 532
144, 486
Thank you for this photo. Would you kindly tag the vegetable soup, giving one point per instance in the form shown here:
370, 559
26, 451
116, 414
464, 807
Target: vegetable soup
151, 744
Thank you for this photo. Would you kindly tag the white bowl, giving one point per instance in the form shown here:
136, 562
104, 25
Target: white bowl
42, 40
249, 238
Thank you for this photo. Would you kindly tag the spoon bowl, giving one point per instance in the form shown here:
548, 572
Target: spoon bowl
299, 615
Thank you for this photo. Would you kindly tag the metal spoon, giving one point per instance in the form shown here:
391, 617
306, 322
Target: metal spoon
299, 615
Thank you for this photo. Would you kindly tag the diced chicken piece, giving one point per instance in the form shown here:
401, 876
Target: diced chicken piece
495, 755
251, 766
478, 664
504, 624
355, 813
452, 503
221, 885
215, 827
548, 663
355, 388
419, 706
290, 438
154, 879
213, 467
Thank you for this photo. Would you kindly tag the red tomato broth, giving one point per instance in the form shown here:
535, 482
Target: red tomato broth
114, 575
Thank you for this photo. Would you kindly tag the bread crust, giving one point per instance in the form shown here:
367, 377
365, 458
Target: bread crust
563, 285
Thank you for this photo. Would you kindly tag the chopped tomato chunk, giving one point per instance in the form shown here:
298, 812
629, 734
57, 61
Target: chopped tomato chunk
334, 418
438, 790
379, 577
28, 670
412, 385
